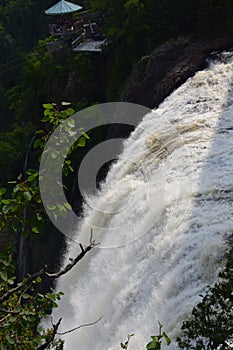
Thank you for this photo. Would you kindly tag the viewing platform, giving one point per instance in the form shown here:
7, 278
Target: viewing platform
62, 28
89, 45
82, 33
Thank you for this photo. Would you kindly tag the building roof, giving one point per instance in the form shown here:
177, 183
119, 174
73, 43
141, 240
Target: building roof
63, 7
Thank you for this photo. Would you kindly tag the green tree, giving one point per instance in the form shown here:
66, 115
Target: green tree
21, 212
13, 147
211, 324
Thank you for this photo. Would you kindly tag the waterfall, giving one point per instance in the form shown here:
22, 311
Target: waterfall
163, 217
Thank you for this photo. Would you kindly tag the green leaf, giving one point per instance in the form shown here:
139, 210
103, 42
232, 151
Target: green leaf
123, 346
27, 195
5, 201
39, 217
40, 132
26, 296
6, 208
15, 226
45, 118
38, 279
72, 133
70, 111
168, 340
68, 206
10, 281
32, 177
81, 142
3, 275
2, 191
155, 344
37, 143
6, 262
37, 198
48, 106
16, 188
51, 206
26, 233
71, 123
48, 112
35, 230
85, 135
32, 172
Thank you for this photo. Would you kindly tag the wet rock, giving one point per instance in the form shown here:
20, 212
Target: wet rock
169, 66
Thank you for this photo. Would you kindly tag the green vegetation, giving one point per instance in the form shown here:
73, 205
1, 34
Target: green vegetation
211, 324
154, 344
22, 307
134, 28
25, 192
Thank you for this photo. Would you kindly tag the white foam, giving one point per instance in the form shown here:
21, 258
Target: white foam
173, 200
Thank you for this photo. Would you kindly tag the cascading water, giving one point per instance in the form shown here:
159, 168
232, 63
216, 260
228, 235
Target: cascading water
162, 216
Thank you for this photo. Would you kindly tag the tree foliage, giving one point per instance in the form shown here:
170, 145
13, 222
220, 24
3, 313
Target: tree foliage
22, 308
21, 212
210, 326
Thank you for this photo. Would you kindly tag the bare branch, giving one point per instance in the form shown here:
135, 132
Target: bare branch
51, 336
9, 312
17, 341
73, 262
27, 281
81, 326
4, 318
160, 328
55, 332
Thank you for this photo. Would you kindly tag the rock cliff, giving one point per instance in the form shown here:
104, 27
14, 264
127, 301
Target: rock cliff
169, 66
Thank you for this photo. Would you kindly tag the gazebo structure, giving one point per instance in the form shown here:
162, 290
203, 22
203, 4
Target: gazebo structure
78, 32
63, 7
63, 24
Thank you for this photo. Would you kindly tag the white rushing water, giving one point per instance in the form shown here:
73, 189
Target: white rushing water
166, 213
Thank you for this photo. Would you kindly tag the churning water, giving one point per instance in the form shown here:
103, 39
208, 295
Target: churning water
162, 216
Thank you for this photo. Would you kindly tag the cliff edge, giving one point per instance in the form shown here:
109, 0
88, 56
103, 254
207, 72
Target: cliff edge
169, 66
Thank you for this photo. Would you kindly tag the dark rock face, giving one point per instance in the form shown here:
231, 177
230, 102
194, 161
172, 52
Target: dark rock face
169, 66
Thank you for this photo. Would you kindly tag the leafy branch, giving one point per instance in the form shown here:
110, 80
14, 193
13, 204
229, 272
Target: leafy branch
155, 344
22, 307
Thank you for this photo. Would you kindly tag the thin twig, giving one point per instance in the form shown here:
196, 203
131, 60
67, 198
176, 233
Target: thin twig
81, 326
73, 262
51, 336
4, 318
9, 312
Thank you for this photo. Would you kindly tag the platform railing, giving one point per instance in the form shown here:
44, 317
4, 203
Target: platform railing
63, 30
